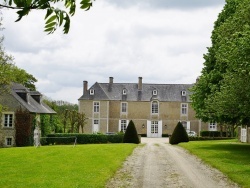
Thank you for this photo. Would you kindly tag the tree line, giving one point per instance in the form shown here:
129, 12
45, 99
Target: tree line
222, 92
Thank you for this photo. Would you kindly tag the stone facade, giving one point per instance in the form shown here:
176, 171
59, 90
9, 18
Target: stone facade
17, 97
138, 99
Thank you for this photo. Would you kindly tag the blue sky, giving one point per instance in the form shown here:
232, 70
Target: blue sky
162, 41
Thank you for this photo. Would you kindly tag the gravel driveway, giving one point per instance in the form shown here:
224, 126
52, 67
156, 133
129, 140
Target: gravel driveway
158, 164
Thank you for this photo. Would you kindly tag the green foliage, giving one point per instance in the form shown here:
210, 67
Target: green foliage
83, 138
213, 134
54, 16
11, 73
222, 93
197, 138
179, 134
24, 128
46, 124
67, 119
131, 135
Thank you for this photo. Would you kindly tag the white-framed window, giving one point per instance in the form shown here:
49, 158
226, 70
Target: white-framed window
186, 125
8, 120
124, 92
212, 126
91, 91
184, 109
8, 141
154, 92
154, 107
154, 127
183, 93
96, 126
96, 107
124, 107
123, 125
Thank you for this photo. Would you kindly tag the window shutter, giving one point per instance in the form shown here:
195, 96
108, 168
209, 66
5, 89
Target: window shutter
188, 125
119, 126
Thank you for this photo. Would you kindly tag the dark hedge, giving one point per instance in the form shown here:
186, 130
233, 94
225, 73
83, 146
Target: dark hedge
64, 138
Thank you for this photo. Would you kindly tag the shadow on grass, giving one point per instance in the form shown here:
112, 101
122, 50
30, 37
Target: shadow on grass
230, 150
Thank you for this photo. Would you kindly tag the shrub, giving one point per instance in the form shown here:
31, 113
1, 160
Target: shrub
179, 134
212, 134
66, 138
131, 135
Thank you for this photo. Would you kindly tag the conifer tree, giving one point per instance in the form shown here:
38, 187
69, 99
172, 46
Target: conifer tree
131, 135
179, 135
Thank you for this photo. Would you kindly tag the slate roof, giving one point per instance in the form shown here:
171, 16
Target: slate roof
114, 91
31, 104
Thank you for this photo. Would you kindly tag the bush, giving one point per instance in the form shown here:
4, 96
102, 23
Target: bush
208, 138
131, 135
66, 138
212, 134
179, 134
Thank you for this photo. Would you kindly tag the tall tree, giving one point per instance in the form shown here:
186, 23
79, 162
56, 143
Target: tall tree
222, 93
55, 17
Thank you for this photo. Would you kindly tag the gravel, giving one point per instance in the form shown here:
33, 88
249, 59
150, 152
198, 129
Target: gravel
156, 163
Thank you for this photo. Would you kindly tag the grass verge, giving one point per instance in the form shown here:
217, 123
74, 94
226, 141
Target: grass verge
229, 156
61, 166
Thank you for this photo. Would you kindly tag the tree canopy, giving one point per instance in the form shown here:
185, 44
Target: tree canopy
58, 12
9, 72
222, 92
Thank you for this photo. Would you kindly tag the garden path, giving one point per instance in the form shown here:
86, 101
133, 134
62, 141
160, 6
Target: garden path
158, 164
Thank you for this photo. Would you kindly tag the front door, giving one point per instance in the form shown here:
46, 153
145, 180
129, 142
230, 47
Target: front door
154, 129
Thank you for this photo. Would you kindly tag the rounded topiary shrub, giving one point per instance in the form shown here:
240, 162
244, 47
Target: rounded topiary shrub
131, 135
179, 134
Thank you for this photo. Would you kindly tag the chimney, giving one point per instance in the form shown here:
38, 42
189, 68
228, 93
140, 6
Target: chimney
140, 83
111, 80
85, 86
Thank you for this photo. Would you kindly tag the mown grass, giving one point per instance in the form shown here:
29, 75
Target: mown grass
229, 156
61, 166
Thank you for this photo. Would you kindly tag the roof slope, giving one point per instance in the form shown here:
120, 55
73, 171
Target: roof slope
31, 104
114, 91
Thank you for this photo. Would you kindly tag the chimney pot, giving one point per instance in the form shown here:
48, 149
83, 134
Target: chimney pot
111, 79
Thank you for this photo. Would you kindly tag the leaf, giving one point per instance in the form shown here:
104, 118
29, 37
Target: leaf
52, 24
51, 19
67, 24
49, 12
28, 2
61, 18
22, 13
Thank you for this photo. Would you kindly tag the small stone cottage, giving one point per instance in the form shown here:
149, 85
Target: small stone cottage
20, 114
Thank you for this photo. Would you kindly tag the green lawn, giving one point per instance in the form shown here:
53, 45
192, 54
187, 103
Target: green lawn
61, 166
230, 157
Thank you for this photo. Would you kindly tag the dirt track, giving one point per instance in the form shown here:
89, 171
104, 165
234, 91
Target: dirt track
159, 164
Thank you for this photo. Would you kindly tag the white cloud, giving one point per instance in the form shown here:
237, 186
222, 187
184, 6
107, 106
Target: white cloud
163, 45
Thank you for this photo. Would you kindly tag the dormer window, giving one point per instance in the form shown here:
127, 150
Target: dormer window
91, 91
154, 92
124, 92
183, 93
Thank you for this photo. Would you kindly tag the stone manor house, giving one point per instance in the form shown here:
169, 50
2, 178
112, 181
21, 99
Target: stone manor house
154, 108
